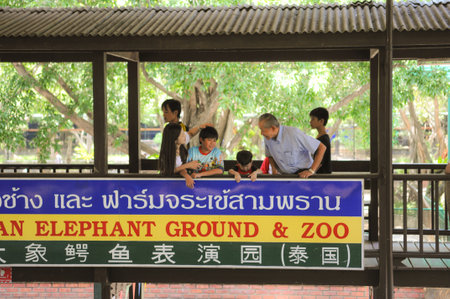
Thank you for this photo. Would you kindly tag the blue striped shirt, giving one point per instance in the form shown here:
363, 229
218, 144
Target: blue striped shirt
292, 149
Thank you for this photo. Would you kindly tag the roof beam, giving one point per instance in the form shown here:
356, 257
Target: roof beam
128, 56
361, 40
436, 54
258, 55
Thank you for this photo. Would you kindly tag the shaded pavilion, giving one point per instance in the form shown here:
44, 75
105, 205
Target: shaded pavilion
328, 32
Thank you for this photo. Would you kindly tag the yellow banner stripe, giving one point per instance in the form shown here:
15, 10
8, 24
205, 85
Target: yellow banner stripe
203, 228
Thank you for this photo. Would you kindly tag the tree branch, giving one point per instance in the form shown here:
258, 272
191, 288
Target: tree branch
438, 128
158, 85
71, 94
83, 124
345, 101
335, 127
251, 122
419, 134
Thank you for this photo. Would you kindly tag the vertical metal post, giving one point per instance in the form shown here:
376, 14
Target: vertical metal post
101, 276
97, 290
134, 120
436, 216
100, 113
374, 135
420, 210
405, 215
448, 127
385, 288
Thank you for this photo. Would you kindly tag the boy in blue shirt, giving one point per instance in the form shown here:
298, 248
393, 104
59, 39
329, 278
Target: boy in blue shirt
209, 156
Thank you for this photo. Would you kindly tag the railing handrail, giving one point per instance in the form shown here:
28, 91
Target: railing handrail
365, 176
338, 165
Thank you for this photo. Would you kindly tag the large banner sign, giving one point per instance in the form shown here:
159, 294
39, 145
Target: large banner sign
160, 222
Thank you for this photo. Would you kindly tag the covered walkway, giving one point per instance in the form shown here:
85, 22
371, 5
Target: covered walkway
356, 32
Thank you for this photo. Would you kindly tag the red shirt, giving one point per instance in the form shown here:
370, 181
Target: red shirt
240, 171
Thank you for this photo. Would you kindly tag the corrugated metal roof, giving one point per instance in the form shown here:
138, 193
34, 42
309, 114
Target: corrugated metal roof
201, 21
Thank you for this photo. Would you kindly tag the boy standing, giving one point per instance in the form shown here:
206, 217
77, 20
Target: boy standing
171, 112
318, 121
244, 167
209, 156
171, 109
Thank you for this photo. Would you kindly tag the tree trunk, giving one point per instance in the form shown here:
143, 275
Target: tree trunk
72, 94
438, 128
334, 128
222, 123
346, 100
412, 140
418, 149
421, 146
200, 108
225, 125
251, 123
69, 142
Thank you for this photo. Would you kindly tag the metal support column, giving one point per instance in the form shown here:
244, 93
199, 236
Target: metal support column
374, 136
100, 113
134, 120
448, 128
385, 287
101, 276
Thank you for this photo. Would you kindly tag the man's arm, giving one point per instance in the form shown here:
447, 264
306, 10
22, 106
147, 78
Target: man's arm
316, 163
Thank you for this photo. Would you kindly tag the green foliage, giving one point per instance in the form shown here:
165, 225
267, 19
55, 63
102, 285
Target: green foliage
117, 94
48, 130
441, 160
84, 154
410, 77
15, 102
287, 89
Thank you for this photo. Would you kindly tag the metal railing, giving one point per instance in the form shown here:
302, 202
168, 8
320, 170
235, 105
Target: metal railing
58, 168
421, 211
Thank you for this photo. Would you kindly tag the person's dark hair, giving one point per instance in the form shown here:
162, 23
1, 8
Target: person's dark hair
173, 105
269, 120
209, 132
320, 113
167, 154
244, 157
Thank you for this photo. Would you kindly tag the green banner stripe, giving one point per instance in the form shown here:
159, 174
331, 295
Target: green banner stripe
193, 254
